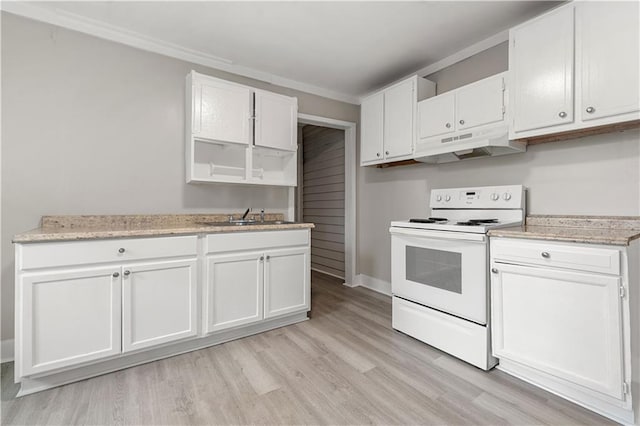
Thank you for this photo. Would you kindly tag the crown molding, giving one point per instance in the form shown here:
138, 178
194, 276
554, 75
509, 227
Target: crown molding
119, 35
461, 55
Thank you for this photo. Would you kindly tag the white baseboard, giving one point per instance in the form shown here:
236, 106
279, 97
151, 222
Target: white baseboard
372, 283
6, 350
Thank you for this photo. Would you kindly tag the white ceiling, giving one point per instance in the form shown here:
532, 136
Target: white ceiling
348, 48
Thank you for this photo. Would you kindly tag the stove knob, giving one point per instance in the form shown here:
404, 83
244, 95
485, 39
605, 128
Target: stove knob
506, 196
495, 197
447, 198
439, 198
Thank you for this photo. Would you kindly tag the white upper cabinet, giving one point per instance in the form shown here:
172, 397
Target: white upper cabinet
239, 134
480, 103
222, 112
575, 67
399, 110
372, 116
276, 119
436, 116
477, 104
609, 48
541, 65
388, 121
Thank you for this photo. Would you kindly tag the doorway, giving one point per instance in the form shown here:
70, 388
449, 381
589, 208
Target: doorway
326, 192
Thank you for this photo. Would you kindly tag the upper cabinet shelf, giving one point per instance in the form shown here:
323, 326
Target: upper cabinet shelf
574, 68
239, 134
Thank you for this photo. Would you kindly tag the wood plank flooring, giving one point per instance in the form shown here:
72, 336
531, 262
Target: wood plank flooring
344, 366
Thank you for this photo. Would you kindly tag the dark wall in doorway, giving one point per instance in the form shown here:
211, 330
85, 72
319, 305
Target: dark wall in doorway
323, 196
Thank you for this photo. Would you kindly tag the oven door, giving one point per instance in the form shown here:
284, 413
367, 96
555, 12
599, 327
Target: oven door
443, 270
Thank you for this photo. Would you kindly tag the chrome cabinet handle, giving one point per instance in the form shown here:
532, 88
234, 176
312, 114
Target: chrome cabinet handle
377, 154
461, 121
591, 110
261, 258
448, 125
116, 274
120, 250
562, 114
494, 270
127, 273
386, 153
545, 255
268, 257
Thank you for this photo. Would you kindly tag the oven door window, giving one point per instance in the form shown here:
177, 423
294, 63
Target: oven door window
434, 268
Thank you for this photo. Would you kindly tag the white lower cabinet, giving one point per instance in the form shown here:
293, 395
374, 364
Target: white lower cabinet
67, 318
84, 308
563, 326
247, 287
233, 290
564, 323
83, 301
287, 286
159, 303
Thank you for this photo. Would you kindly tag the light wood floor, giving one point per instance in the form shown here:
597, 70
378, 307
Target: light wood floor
344, 366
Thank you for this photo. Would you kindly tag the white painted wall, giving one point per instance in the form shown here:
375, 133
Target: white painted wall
95, 127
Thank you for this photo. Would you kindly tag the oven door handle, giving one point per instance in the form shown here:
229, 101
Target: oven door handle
441, 235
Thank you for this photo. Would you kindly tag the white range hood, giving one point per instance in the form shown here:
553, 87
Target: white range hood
485, 142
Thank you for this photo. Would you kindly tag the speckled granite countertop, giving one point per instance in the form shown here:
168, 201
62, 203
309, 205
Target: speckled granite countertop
612, 230
69, 228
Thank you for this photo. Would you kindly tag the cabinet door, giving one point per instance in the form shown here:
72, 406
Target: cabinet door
399, 111
287, 286
222, 112
371, 122
481, 103
609, 38
276, 121
234, 289
159, 303
566, 324
436, 116
68, 318
541, 64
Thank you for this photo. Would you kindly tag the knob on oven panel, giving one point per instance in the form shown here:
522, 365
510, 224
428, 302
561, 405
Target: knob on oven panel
502, 197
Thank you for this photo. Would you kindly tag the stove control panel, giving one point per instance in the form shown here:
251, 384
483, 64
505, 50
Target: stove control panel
487, 197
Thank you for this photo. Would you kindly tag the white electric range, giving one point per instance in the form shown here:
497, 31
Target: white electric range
439, 268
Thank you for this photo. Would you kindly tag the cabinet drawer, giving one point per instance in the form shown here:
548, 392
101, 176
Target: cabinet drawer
56, 254
593, 259
217, 243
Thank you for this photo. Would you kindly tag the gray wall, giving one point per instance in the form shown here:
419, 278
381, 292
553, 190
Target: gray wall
91, 126
485, 64
95, 127
598, 175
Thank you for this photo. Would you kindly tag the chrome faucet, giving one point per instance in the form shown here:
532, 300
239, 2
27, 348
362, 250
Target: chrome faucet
244, 216
261, 215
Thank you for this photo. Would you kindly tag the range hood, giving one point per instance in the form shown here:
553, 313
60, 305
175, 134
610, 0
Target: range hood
486, 142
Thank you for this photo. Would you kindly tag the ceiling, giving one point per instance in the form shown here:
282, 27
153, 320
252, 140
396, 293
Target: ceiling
345, 48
